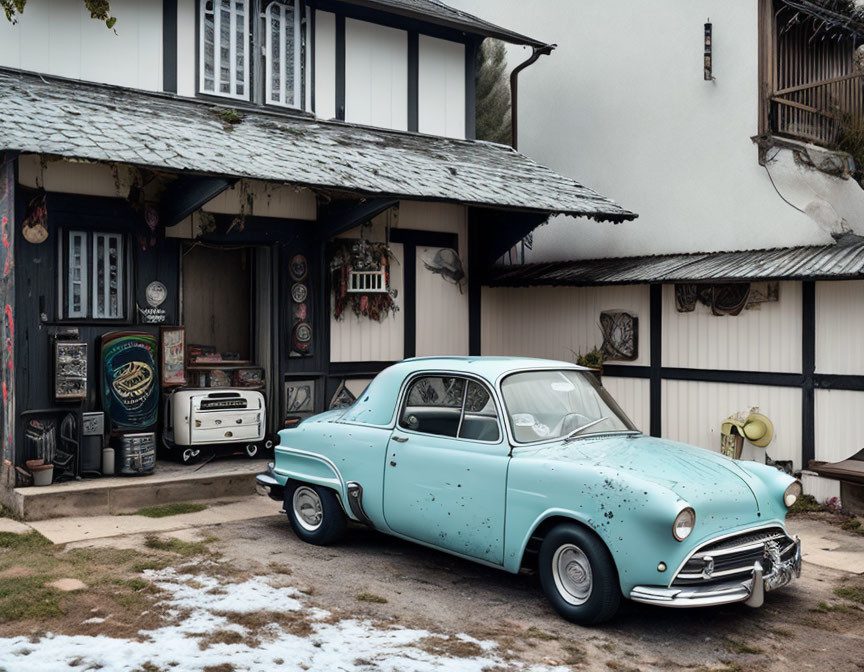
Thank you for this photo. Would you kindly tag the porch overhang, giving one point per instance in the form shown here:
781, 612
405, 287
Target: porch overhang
439, 14
841, 261
164, 132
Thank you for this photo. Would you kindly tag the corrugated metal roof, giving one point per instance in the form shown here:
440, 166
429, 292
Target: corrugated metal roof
843, 260
103, 123
443, 15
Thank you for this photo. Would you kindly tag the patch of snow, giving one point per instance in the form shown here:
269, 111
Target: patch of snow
350, 645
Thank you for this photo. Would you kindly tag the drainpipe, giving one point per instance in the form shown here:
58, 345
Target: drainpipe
536, 53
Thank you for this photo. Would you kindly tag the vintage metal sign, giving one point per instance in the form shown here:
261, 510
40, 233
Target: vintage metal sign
130, 385
173, 356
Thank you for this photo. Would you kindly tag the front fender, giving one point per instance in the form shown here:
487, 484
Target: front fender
312, 468
632, 515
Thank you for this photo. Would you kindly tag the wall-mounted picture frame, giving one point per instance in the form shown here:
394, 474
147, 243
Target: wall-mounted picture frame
300, 395
70, 370
173, 356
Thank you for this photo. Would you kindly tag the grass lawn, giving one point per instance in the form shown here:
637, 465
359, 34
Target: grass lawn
170, 510
112, 576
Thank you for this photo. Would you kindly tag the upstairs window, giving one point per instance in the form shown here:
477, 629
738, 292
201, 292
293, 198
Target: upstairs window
812, 81
224, 45
283, 53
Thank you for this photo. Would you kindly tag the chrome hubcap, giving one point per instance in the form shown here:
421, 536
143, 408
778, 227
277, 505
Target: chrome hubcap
307, 508
572, 573
251, 450
190, 454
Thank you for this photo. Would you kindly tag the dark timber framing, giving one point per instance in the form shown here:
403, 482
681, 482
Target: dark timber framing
340, 67
471, 47
413, 81
656, 299
169, 46
808, 369
808, 381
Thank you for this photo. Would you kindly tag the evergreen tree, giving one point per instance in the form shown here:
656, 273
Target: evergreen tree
493, 93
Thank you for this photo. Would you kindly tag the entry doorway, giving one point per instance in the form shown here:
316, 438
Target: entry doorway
217, 297
227, 304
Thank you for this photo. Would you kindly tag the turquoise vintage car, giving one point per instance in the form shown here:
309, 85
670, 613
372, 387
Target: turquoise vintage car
530, 464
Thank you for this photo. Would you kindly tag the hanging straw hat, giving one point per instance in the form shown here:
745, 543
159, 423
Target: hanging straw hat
757, 429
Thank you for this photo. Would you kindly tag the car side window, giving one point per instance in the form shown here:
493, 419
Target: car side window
450, 406
480, 419
434, 405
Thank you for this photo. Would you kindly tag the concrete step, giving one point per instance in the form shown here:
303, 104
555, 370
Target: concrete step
91, 528
171, 483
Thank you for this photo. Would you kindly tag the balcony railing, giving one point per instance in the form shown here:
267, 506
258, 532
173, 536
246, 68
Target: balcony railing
819, 111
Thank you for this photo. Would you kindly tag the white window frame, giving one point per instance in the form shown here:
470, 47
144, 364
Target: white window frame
102, 303
93, 306
77, 238
217, 49
281, 6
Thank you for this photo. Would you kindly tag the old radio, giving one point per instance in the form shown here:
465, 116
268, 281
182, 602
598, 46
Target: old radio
206, 417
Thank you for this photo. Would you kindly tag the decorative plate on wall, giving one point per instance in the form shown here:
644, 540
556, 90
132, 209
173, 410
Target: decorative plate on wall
301, 339
298, 268
299, 293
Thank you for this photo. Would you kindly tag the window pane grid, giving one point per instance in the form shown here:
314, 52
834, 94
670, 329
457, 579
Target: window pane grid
224, 49
107, 276
77, 275
283, 53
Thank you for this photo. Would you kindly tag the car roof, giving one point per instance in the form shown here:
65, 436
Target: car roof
485, 367
377, 404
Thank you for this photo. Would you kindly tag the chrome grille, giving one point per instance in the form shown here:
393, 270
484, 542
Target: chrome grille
732, 558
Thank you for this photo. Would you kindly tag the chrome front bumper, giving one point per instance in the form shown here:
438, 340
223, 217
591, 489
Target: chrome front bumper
750, 591
267, 485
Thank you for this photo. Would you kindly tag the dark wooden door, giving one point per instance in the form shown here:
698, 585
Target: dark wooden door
217, 298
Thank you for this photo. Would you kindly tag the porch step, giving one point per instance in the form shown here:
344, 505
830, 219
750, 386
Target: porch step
170, 484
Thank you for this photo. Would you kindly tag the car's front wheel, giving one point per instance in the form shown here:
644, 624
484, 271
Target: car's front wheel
315, 513
578, 575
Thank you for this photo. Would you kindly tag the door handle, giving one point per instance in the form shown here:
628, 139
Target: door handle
400, 439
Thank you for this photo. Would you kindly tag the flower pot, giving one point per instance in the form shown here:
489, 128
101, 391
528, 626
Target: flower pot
42, 474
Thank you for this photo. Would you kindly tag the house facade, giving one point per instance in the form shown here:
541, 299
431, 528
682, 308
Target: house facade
279, 196
733, 137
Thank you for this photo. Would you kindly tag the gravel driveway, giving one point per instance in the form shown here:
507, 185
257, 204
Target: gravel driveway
249, 595
802, 627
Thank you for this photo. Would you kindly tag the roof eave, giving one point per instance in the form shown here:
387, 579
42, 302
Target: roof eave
491, 30
615, 218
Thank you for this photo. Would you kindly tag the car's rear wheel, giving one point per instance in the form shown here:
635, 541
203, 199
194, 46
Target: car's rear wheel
578, 575
315, 513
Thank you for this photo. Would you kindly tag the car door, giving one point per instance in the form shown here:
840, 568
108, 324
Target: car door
446, 468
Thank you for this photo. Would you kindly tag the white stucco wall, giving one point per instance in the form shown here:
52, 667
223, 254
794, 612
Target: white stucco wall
441, 84
376, 75
58, 37
622, 106
325, 65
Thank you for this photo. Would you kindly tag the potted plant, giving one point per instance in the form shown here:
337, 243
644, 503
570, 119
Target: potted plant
592, 359
43, 474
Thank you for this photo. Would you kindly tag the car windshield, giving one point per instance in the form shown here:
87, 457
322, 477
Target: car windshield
546, 405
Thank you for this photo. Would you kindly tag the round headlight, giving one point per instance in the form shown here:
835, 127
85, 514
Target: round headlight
684, 523
792, 494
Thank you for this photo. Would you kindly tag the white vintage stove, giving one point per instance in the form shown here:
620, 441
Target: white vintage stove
212, 417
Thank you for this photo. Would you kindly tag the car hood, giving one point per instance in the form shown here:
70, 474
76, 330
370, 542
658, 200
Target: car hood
715, 486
